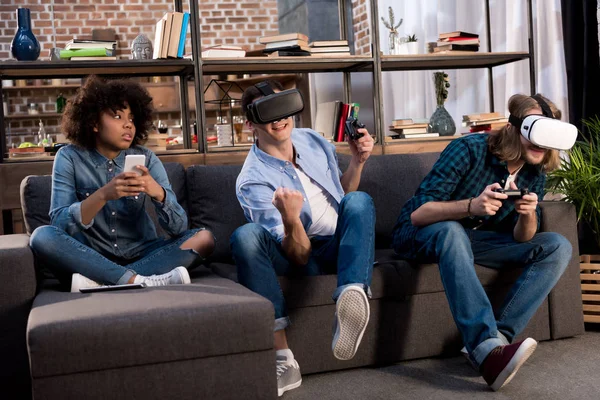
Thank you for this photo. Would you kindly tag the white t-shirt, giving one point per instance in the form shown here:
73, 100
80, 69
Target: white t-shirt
511, 178
323, 207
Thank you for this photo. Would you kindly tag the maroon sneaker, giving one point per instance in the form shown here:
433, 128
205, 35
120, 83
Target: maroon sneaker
504, 361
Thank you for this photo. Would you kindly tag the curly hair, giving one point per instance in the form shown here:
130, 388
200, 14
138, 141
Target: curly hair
96, 96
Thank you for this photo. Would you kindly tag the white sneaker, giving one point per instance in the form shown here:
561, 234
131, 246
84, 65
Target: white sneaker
79, 281
351, 319
288, 375
177, 276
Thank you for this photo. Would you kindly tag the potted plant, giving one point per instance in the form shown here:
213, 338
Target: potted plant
578, 180
412, 45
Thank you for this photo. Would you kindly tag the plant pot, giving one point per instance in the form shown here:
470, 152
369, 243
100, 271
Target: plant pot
25, 46
412, 48
441, 122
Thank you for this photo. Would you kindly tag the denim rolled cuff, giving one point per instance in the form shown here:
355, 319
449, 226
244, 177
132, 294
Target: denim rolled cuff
484, 348
75, 212
363, 286
126, 277
167, 201
281, 323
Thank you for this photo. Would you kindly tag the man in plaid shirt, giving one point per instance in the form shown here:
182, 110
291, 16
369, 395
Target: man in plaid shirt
457, 219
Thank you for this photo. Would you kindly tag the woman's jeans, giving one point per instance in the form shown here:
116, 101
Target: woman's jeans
456, 249
349, 252
63, 255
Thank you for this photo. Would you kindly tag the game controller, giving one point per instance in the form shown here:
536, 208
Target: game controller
351, 129
513, 193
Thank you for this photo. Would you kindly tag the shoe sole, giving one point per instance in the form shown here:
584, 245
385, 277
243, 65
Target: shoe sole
352, 310
281, 391
523, 353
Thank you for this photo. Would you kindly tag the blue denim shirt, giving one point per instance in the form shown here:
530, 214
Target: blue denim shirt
262, 174
122, 228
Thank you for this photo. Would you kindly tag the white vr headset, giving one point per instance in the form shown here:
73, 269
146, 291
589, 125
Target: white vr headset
545, 131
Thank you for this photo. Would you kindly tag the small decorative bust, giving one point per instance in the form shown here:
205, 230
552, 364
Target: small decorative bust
141, 48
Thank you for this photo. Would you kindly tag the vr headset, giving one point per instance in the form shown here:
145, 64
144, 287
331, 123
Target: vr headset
274, 106
545, 131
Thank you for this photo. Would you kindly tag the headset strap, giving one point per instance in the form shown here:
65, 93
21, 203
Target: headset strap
264, 88
546, 110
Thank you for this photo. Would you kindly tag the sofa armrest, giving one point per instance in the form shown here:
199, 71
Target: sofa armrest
17, 290
564, 301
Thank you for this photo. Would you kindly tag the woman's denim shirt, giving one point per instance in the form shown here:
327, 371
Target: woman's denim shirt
122, 228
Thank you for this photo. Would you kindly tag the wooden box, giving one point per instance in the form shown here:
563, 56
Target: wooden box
590, 287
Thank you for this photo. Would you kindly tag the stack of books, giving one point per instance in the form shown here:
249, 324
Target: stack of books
288, 44
484, 122
223, 51
83, 49
169, 37
331, 119
329, 48
457, 41
157, 141
406, 128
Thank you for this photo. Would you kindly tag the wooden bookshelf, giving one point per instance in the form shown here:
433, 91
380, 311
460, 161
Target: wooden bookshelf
450, 60
267, 65
56, 69
33, 116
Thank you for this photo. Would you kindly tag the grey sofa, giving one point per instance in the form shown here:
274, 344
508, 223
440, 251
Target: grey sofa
213, 339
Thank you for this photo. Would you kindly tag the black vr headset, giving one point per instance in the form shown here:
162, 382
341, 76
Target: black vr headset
545, 131
274, 106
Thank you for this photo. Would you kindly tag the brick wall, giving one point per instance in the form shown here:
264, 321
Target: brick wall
361, 22
236, 22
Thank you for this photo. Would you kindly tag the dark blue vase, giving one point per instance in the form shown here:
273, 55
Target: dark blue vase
441, 122
25, 47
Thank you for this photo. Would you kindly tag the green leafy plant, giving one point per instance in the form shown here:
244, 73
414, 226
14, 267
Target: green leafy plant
441, 83
578, 179
391, 25
411, 38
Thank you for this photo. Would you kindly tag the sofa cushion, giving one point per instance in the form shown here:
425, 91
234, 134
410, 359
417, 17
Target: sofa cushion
425, 278
36, 191
74, 332
391, 180
308, 291
392, 278
214, 205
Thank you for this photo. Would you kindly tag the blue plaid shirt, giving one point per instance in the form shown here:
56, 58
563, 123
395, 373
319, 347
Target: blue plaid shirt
464, 169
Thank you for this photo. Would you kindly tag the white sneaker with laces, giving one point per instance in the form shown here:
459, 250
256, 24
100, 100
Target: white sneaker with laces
79, 281
288, 375
177, 276
351, 318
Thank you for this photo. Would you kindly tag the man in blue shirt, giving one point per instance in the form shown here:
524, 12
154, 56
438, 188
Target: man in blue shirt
456, 218
305, 218
101, 233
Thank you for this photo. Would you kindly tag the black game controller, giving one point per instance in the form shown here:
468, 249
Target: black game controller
351, 129
513, 193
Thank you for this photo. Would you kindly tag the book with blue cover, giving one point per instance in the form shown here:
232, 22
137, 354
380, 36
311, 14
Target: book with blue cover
184, 28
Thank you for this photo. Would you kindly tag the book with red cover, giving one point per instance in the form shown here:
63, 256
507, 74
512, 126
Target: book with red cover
344, 110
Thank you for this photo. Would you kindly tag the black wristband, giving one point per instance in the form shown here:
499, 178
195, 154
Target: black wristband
469, 209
